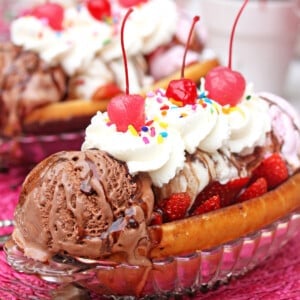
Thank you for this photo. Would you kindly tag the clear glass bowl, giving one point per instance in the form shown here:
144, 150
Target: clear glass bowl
186, 274
31, 149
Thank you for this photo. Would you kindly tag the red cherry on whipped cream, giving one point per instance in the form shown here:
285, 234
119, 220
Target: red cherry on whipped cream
126, 110
52, 13
99, 9
224, 85
184, 90
129, 3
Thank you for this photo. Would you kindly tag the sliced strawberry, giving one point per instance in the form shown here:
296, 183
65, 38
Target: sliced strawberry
156, 218
227, 192
107, 91
273, 169
210, 204
176, 206
256, 189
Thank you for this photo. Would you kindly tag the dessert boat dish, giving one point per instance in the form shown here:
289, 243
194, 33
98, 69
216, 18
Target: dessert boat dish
168, 193
63, 64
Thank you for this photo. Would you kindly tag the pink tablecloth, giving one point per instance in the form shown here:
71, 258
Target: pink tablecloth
277, 278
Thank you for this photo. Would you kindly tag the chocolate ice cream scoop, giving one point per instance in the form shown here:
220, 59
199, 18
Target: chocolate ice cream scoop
84, 204
26, 82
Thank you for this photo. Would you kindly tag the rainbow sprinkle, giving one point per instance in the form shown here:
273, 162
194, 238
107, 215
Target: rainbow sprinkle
152, 132
159, 99
177, 103
149, 123
79, 7
132, 130
145, 140
164, 134
230, 109
164, 107
106, 42
160, 139
163, 125
182, 115
151, 94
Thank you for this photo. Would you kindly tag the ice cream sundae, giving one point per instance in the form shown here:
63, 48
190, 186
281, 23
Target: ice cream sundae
183, 170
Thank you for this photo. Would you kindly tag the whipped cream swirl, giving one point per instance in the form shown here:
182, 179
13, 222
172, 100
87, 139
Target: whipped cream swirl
171, 131
154, 150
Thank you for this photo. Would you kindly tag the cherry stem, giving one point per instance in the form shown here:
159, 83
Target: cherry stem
233, 32
195, 20
130, 10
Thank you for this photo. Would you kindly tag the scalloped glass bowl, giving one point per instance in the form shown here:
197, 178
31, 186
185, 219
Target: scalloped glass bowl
31, 149
176, 275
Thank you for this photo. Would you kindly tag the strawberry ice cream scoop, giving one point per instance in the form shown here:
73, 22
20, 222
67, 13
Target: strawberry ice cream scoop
285, 124
170, 55
173, 51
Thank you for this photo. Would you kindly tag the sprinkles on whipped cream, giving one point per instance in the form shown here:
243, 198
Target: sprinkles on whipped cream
155, 128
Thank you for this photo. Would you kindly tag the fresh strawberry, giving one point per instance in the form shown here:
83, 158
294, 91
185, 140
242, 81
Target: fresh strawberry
176, 206
107, 91
210, 204
256, 189
227, 192
273, 169
156, 218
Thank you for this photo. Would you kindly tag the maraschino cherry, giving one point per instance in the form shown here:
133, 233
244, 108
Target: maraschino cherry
53, 13
99, 9
130, 3
124, 110
222, 83
183, 90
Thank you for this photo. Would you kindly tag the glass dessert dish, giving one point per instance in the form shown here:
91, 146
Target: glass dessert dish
177, 275
6, 227
31, 149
